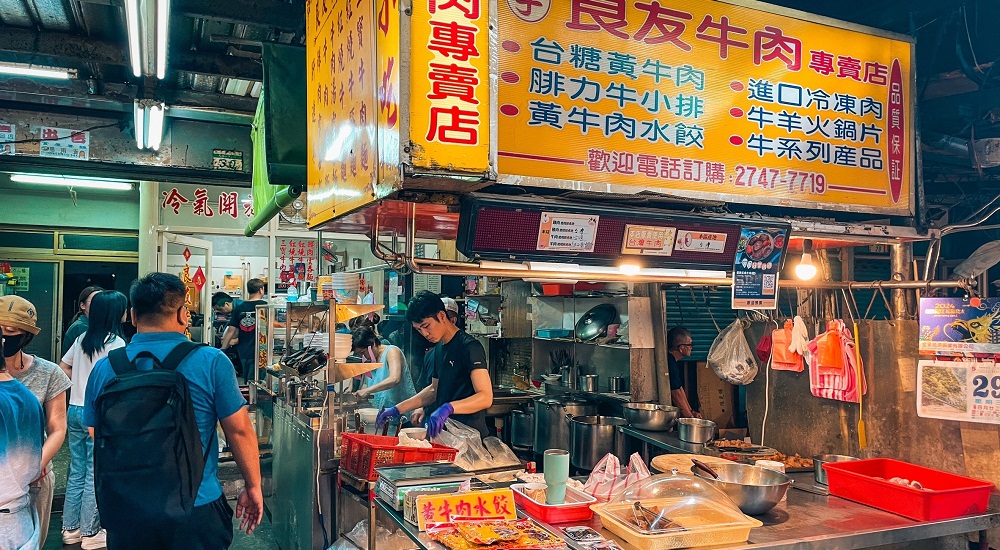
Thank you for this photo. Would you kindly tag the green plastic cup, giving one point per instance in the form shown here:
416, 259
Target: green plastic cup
556, 471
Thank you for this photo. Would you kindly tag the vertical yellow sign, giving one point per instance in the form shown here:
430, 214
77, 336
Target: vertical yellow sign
449, 85
389, 112
340, 48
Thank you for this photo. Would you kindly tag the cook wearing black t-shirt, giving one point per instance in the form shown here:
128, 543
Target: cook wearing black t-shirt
460, 388
243, 325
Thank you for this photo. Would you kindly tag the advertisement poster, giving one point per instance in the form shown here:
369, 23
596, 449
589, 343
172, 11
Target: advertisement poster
567, 232
959, 390
705, 99
61, 143
955, 326
757, 267
649, 240
7, 139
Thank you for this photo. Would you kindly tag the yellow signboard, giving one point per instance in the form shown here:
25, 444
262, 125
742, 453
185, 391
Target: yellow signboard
496, 504
450, 85
704, 99
389, 112
340, 36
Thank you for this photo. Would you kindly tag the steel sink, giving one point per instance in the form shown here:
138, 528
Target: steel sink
506, 399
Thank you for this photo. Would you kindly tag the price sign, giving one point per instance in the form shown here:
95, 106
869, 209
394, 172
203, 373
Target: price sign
224, 159
700, 241
433, 509
967, 391
567, 232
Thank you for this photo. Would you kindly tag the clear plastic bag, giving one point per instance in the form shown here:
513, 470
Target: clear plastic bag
358, 538
731, 357
501, 453
472, 455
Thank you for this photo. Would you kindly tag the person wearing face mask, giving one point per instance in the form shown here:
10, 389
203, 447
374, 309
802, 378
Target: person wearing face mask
389, 384
19, 322
22, 429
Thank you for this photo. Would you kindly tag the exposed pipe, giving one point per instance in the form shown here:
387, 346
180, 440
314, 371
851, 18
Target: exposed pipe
281, 199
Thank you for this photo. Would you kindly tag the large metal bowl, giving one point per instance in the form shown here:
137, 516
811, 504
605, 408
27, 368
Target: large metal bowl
695, 430
754, 489
819, 460
650, 416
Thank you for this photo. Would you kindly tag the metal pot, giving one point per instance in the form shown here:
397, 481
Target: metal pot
754, 489
592, 437
819, 460
522, 428
587, 382
650, 416
617, 384
695, 430
551, 424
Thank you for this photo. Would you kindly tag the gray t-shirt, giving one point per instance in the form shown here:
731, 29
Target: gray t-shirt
45, 379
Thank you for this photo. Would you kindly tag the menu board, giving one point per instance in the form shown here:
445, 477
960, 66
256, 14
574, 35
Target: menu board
959, 390
957, 326
756, 268
567, 232
705, 99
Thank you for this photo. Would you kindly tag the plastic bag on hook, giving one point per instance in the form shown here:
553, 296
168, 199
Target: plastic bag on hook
731, 357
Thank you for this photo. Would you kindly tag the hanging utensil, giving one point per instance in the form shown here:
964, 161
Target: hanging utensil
862, 433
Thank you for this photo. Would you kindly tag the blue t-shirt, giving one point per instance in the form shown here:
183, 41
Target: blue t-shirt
211, 383
22, 428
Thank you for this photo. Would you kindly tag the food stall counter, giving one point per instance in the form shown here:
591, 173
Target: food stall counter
666, 441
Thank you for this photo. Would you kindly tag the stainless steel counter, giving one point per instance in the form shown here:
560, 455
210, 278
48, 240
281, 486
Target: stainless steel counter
664, 440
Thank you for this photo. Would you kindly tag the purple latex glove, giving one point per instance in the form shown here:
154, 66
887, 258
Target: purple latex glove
435, 424
385, 416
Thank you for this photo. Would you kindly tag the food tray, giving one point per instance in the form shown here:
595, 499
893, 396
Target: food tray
554, 333
576, 507
708, 524
944, 495
360, 454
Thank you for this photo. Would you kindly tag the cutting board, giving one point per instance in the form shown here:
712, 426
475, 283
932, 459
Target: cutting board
665, 463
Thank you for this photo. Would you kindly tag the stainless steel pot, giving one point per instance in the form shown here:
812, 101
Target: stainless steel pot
695, 430
819, 460
617, 384
587, 382
551, 424
592, 437
522, 428
650, 416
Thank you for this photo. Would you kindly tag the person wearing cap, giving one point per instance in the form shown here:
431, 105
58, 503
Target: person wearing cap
48, 382
460, 387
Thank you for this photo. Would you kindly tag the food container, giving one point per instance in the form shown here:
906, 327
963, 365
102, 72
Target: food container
754, 489
576, 507
554, 333
819, 460
695, 430
360, 454
522, 428
617, 384
587, 382
944, 495
686, 510
650, 416
592, 437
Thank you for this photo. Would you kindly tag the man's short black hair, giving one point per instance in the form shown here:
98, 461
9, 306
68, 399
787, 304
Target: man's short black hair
157, 295
425, 304
674, 334
220, 299
256, 285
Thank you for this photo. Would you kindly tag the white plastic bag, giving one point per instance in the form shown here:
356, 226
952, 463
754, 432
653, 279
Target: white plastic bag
608, 480
406, 441
472, 455
731, 357
501, 453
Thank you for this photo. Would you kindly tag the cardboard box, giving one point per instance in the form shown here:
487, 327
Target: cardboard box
715, 395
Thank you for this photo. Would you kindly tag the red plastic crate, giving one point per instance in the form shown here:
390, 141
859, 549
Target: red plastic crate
944, 496
360, 454
577, 507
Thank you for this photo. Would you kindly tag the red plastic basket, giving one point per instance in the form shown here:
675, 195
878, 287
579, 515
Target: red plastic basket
577, 507
944, 495
360, 454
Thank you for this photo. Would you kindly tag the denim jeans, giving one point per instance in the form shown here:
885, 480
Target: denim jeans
80, 509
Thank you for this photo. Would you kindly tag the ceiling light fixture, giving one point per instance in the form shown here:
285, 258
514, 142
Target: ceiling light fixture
19, 69
630, 269
162, 33
148, 26
132, 24
806, 270
148, 116
87, 183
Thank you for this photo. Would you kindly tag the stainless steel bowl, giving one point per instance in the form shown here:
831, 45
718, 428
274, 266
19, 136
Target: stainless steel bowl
820, 460
650, 416
695, 430
754, 489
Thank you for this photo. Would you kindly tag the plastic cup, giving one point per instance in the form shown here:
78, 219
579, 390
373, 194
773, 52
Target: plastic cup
556, 464
773, 465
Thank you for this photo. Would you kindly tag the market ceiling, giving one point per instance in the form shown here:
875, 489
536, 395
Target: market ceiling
214, 67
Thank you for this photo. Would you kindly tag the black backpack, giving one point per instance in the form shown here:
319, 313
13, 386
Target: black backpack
148, 459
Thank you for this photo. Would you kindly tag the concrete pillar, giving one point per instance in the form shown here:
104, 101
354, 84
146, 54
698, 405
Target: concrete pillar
904, 303
149, 217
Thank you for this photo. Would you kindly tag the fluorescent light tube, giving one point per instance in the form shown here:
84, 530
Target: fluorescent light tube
71, 182
132, 21
139, 116
154, 132
162, 29
24, 70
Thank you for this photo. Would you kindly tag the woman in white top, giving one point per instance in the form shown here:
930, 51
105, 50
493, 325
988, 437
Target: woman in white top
81, 521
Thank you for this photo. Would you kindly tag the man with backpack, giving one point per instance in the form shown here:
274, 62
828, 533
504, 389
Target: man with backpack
153, 408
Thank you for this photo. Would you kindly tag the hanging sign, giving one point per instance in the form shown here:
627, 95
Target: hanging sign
8, 133
701, 241
187, 255
967, 391
955, 326
64, 144
756, 268
706, 99
567, 232
649, 240
497, 503
21, 276
199, 278
224, 159
185, 205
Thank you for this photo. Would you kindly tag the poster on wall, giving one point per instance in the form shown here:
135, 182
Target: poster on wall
62, 143
967, 391
756, 268
956, 326
21, 275
7, 138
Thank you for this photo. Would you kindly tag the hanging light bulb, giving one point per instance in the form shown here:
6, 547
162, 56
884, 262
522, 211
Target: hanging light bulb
806, 270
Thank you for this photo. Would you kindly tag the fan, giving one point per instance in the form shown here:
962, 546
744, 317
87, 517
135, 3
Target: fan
295, 213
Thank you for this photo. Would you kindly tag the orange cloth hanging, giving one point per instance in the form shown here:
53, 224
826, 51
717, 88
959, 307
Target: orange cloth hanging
782, 358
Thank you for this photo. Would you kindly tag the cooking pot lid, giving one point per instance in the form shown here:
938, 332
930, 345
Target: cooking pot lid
595, 322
